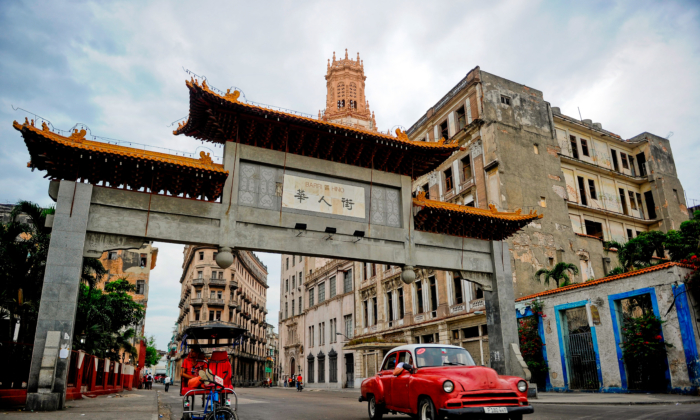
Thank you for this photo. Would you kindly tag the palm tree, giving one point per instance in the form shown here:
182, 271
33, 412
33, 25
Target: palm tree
93, 271
557, 273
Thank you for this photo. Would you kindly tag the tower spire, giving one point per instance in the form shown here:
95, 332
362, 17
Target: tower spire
346, 102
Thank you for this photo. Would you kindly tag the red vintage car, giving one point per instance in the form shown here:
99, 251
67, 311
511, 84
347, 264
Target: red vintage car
443, 382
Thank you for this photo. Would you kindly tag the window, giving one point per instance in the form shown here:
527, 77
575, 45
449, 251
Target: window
536, 149
390, 306
591, 188
458, 290
401, 307
140, 287
639, 203
629, 234
675, 194
199, 293
374, 310
574, 147
374, 269
461, 117
293, 260
651, 208
144, 260
623, 200
624, 160
505, 100
633, 203
584, 147
215, 254
433, 294
642, 162
448, 180
196, 315
365, 319
293, 282
201, 256
444, 133
286, 285
218, 315
287, 263
347, 281
419, 296
426, 190
200, 274
311, 297
293, 307
582, 191
632, 167
321, 368
332, 366
390, 362
348, 326
113, 255
594, 228
219, 294
364, 272
286, 310
322, 334
211, 315
321, 292
333, 290
466, 168
311, 336
332, 330
614, 159
310, 379
471, 332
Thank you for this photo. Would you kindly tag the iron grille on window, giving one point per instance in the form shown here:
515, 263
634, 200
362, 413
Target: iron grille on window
332, 366
310, 378
321, 367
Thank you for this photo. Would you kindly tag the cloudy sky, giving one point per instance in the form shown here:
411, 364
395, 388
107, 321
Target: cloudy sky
118, 68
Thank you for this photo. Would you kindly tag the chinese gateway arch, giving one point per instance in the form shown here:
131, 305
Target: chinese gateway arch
288, 184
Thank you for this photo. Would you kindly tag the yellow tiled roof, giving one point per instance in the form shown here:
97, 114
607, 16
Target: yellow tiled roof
77, 140
421, 201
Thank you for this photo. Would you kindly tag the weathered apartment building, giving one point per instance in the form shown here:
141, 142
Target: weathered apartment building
135, 266
521, 153
237, 296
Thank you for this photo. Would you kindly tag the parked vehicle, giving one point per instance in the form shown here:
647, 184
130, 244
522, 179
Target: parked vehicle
443, 382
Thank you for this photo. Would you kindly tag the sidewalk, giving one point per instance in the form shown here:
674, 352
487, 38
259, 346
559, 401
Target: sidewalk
132, 405
597, 398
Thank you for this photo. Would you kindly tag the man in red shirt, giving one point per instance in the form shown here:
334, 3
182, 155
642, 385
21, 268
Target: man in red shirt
299, 383
191, 365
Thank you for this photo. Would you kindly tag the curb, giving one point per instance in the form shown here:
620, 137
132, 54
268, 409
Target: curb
531, 402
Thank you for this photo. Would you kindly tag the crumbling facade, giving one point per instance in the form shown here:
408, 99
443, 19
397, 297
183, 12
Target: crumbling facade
521, 153
237, 296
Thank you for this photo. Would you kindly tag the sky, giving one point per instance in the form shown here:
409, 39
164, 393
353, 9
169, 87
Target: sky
118, 67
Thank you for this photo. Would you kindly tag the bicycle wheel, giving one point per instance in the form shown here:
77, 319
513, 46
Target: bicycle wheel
222, 413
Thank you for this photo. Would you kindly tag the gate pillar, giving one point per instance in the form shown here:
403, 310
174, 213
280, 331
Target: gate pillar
46, 389
500, 310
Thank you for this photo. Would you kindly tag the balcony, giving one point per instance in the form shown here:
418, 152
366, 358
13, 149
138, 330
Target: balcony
196, 301
233, 284
217, 282
215, 302
197, 281
256, 305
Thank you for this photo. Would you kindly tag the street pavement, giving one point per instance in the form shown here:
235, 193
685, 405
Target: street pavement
287, 404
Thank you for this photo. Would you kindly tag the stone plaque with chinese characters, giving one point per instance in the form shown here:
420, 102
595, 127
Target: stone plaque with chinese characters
323, 197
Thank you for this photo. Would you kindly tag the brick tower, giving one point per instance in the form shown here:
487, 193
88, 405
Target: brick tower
345, 97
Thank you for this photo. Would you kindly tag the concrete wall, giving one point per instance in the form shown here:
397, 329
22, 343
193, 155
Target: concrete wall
661, 281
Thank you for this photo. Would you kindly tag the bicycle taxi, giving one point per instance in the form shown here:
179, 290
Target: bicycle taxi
210, 378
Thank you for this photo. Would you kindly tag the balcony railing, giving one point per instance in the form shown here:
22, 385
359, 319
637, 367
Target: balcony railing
198, 281
215, 302
233, 284
196, 301
217, 282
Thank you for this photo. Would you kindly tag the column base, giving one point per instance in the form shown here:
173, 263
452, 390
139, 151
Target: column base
49, 401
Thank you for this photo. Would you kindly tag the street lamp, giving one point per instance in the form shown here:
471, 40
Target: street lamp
337, 333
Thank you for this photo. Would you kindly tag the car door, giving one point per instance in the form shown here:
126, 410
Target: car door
386, 375
400, 386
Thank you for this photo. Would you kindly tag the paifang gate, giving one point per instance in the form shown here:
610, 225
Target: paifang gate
288, 184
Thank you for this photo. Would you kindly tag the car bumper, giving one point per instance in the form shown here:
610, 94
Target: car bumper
459, 412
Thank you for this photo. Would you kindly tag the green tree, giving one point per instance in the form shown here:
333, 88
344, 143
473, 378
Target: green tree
558, 273
23, 251
685, 242
152, 356
105, 319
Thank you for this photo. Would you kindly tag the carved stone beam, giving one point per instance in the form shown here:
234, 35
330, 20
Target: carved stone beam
485, 280
97, 243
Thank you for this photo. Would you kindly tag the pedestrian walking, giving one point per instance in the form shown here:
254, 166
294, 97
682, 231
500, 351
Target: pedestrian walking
299, 387
166, 381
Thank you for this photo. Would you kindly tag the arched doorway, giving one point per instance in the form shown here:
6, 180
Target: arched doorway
293, 365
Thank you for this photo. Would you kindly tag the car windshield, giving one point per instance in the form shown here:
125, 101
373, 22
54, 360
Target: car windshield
443, 356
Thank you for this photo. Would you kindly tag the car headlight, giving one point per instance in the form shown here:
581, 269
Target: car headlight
448, 386
522, 386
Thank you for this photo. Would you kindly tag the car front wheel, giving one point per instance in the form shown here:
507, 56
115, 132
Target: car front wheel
426, 409
373, 409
